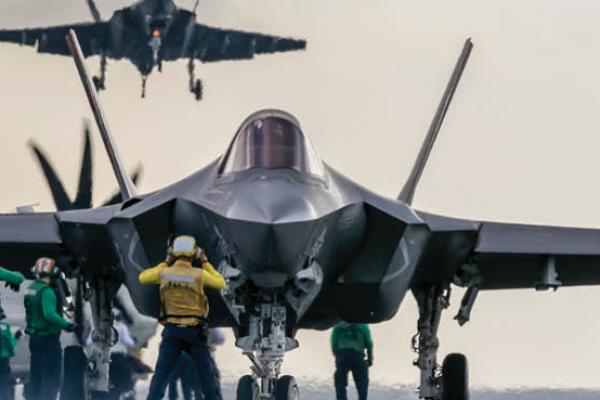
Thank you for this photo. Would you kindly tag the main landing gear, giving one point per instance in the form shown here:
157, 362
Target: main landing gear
196, 87
451, 380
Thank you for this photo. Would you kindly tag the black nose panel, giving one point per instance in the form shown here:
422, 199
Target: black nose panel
270, 254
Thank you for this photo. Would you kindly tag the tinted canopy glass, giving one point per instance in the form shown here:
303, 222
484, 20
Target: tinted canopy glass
271, 139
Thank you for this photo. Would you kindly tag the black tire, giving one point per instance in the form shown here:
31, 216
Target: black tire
287, 388
455, 377
246, 389
74, 374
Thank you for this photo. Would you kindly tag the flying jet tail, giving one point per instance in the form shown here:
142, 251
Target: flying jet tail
126, 187
408, 191
94, 11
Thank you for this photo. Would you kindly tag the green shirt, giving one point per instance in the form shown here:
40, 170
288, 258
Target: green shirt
16, 278
43, 315
347, 336
7, 341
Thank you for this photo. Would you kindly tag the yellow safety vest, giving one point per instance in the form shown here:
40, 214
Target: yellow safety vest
182, 290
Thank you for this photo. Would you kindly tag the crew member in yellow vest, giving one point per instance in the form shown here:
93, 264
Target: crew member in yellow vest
183, 314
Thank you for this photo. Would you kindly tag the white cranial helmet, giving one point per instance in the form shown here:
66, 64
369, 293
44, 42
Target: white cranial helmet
183, 246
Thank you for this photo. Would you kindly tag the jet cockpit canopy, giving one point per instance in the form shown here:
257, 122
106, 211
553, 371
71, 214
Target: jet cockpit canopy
271, 139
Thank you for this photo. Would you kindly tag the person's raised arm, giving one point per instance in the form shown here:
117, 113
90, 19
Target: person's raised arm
151, 276
212, 278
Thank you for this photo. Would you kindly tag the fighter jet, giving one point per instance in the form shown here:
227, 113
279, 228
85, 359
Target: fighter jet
302, 247
148, 33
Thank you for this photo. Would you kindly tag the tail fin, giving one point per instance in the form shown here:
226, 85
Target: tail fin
408, 191
94, 11
125, 185
84, 189
62, 201
59, 194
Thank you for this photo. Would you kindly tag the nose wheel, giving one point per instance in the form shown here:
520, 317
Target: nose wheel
247, 389
286, 388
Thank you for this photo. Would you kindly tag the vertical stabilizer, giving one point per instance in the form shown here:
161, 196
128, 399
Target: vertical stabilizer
94, 11
408, 191
126, 187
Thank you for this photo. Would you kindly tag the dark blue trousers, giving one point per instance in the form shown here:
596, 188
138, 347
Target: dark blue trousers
7, 384
177, 339
45, 368
351, 361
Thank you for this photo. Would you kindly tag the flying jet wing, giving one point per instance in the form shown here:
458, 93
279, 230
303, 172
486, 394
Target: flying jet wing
214, 44
93, 38
510, 256
26, 237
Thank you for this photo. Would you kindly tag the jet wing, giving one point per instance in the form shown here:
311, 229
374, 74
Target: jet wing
26, 237
512, 256
519, 256
93, 38
214, 44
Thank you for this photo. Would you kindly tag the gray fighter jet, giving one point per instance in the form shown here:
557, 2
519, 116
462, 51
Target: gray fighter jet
302, 247
148, 33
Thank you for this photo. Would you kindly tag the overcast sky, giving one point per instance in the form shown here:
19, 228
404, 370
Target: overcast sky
520, 142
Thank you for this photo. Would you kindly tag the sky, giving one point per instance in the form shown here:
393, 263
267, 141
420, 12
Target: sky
519, 143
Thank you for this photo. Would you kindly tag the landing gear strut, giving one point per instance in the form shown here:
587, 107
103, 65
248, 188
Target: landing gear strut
449, 382
99, 80
102, 293
265, 346
265, 335
196, 87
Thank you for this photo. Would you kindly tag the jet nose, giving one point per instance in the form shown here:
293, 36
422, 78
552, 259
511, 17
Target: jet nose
271, 202
271, 224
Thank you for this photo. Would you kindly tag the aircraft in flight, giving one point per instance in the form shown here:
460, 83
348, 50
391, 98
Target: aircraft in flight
301, 246
151, 32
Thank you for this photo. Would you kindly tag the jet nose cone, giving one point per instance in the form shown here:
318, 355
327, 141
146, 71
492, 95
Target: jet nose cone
271, 202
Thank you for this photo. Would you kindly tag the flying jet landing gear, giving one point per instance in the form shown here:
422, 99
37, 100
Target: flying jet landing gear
450, 381
265, 346
196, 87
99, 80
144, 80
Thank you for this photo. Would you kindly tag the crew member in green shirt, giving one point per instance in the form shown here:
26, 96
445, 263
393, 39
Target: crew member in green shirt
350, 343
8, 341
12, 280
44, 325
